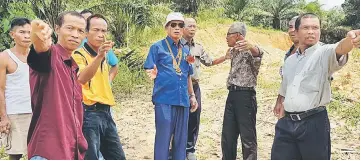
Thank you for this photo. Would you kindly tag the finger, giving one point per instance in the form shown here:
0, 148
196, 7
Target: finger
351, 34
42, 26
357, 32
48, 34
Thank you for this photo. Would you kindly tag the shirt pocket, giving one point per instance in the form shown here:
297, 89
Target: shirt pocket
311, 81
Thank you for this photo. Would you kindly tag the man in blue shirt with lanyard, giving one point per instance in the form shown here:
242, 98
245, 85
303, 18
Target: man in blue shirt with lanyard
168, 63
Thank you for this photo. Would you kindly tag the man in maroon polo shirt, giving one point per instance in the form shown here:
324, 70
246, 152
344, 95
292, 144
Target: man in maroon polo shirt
56, 127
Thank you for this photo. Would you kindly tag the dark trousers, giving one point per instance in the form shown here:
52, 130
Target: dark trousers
308, 139
101, 134
240, 120
194, 120
170, 120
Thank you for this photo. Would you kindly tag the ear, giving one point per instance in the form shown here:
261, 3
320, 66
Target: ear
11, 33
57, 29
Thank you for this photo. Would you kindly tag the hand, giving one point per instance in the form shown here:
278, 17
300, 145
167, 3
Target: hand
104, 48
194, 103
228, 54
5, 124
152, 73
242, 45
42, 31
279, 111
118, 51
355, 37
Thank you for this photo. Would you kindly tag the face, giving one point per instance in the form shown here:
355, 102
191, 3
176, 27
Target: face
97, 31
21, 35
309, 31
86, 15
175, 29
232, 38
190, 28
291, 32
72, 32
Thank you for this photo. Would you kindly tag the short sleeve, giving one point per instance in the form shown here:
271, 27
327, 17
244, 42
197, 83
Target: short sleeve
283, 88
80, 60
151, 58
112, 59
190, 69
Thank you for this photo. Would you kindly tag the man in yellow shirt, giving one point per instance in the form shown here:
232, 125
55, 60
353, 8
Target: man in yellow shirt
99, 127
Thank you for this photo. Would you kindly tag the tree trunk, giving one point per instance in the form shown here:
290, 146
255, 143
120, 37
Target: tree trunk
276, 23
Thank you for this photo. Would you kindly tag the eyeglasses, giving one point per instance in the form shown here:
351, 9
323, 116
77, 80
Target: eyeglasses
229, 34
180, 25
190, 26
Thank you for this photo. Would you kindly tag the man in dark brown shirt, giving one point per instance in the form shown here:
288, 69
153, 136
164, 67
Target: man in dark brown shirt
241, 106
56, 127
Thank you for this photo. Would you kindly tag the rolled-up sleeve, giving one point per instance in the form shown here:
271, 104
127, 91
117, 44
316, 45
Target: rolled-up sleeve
40, 62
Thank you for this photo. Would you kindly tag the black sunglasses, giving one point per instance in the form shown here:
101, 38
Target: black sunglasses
173, 25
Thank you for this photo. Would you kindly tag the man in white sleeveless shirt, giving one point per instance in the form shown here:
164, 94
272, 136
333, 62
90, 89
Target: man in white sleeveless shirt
15, 101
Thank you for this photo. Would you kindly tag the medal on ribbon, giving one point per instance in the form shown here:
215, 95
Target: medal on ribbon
176, 64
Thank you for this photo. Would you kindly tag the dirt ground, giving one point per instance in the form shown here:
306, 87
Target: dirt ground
135, 114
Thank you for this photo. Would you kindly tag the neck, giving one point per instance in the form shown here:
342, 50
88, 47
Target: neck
296, 45
69, 52
176, 40
189, 39
93, 47
20, 50
302, 48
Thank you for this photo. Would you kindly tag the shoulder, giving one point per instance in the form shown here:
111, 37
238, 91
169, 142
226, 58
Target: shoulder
4, 57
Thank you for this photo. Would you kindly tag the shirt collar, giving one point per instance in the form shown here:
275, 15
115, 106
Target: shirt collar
185, 42
66, 58
171, 42
90, 50
309, 50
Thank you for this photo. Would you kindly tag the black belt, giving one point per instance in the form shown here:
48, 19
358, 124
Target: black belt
298, 116
97, 107
238, 88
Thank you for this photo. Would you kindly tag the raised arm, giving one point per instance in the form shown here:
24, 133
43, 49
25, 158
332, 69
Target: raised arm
41, 36
89, 71
345, 45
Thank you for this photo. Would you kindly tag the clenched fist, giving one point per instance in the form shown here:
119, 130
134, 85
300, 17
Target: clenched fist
41, 34
355, 37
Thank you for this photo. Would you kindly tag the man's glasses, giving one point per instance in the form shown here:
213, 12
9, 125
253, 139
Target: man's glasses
180, 25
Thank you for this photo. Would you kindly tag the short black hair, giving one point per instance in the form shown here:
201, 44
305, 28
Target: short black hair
305, 15
60, 19
86, 11
19, 22
94, 16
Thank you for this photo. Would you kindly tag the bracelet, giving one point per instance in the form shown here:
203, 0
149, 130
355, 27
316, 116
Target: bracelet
190, 95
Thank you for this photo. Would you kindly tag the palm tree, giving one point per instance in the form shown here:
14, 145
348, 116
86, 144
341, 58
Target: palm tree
279, 9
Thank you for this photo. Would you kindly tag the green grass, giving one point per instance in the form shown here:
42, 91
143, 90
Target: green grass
346, 109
